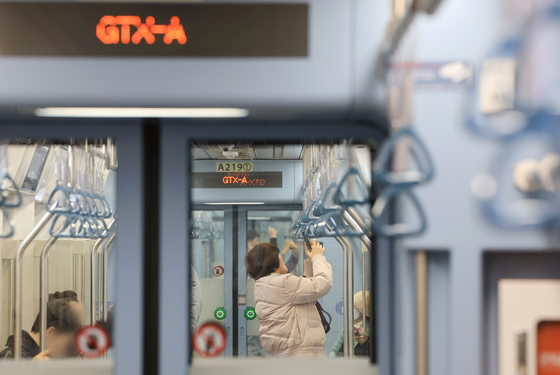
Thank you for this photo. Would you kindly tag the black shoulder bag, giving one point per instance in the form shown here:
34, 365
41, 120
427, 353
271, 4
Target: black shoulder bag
322, 312
326, 323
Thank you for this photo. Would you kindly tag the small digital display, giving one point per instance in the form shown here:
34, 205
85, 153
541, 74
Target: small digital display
241, 180
158, 30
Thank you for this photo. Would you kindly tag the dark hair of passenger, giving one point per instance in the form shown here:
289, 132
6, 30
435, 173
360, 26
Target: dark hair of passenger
60, 316
262, 260
252, 234
68, 294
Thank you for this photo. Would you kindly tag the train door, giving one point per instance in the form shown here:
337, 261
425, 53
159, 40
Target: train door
263, 193
246, 192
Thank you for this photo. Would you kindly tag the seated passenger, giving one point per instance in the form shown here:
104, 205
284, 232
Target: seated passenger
62, 326
362, 342
290, 323
75, 303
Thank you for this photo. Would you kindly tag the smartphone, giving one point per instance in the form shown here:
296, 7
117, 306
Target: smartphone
308, 243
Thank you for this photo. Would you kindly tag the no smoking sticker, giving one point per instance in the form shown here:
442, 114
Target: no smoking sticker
218, 271
209, 340
92, 341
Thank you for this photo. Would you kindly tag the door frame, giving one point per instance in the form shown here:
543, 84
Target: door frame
176, 206
128, 323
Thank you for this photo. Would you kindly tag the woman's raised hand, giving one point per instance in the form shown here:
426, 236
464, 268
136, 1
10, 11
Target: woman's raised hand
316, 249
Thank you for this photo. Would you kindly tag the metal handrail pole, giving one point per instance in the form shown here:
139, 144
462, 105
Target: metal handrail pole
93, 281
354, 221
105, 278
44, 288
347, 295
365, 251
92, 267
18, 323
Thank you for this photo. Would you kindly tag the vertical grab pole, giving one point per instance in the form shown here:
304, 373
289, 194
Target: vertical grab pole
93, 281
18, 310
12, 295
105, 278
347, 296
365, 250
421, 313
83, 286
74, 272
44, 288
100, 267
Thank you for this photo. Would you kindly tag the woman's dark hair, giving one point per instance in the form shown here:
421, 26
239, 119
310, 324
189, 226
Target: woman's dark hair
262, 260
60, 316
67, 294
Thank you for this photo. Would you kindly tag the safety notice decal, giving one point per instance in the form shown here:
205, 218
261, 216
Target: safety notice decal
209, 340
92, 341
218, 271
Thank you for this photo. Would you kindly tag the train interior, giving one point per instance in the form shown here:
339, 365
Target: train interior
416, 140
58, 229
245, 193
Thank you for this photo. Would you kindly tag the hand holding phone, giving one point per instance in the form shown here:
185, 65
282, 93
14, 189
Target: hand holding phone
315, 249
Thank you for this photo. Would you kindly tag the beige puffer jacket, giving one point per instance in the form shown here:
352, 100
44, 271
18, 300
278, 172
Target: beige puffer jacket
290, 323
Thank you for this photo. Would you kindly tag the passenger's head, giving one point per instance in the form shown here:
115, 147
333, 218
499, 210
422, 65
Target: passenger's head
252, 239
263, 260
62, 325
358, 303
75, 303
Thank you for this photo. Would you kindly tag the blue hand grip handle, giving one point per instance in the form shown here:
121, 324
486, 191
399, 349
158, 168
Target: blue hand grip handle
305, 216
418, 151
10, 231
83, 205
320, 208
103, 228
108, 211
320, 227
94, 210
345, 201
68, 228
83, 227
4, 199
399, 229
57, 209
91, 228
100, 211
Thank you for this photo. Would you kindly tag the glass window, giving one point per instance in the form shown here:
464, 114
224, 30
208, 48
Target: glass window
57, 247
281, 196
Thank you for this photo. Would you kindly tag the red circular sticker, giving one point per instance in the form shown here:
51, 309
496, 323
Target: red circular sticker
218, 271
92, 341
209, 340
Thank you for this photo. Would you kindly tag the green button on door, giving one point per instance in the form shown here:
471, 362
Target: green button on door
250, 313
220, 313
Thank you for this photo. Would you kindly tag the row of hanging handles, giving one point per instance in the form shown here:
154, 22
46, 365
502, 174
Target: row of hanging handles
323, 212
521, 186
81, 208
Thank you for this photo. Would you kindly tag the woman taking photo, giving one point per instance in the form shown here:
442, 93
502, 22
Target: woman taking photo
290, 323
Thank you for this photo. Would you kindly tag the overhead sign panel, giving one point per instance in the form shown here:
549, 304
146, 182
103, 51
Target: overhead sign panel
212, 180
156, 30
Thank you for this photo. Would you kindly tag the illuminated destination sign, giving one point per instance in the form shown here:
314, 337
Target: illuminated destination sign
215, 180
180, 30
